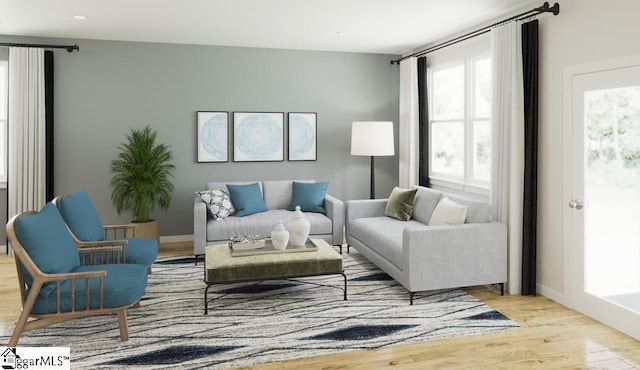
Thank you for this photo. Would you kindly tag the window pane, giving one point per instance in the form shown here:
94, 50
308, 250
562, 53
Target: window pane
482, 88
482, 150
3, 151
447, 148
3, 90
448, 93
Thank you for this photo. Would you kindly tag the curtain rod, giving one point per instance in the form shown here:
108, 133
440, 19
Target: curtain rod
545, 8
69, 48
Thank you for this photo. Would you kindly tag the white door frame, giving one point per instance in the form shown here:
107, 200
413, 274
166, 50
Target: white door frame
568, 238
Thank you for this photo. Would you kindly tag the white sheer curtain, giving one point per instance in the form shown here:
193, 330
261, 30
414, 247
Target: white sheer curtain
26, 159
507, 151
408, 126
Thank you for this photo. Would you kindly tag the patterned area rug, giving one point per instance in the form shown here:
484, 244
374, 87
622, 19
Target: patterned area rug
269, 321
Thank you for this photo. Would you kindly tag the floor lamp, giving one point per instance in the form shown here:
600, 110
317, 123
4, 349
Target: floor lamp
372, 139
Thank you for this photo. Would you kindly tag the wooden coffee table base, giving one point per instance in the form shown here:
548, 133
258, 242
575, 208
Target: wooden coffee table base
222, 268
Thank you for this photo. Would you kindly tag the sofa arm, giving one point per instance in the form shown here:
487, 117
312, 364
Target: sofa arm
335, 211
455, 255
362, 208
199, 226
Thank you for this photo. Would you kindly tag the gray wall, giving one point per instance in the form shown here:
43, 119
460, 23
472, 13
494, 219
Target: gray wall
109, 87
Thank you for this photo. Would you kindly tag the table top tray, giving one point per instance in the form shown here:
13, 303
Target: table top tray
268, 248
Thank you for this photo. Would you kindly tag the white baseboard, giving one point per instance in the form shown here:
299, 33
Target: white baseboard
552, 294
176, 238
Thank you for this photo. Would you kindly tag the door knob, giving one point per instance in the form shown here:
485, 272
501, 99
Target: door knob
576, 203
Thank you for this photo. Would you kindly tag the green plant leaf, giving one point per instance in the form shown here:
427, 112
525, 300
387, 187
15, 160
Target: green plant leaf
142, 175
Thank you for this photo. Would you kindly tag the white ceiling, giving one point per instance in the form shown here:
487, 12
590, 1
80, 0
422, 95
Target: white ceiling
370, 26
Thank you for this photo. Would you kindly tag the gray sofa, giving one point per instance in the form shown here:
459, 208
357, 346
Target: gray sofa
277, 196
422, 257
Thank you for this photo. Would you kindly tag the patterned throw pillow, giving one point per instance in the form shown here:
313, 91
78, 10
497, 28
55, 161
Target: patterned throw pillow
218, 203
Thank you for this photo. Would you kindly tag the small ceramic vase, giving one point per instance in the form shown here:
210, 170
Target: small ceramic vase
280, 237
299, 228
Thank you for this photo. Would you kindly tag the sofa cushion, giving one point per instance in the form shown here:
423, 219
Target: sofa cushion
476, 211
223, 185
400, 203
448, 212
218, 203
278, 193
383, 235
262, 224
309, 196
79, 214
247, 199
426, 201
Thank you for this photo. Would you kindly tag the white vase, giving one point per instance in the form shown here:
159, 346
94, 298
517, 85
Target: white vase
299, 228
280, 237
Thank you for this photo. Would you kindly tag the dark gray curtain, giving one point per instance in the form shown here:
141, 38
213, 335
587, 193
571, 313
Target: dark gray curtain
423, 124
48, 107
530, 206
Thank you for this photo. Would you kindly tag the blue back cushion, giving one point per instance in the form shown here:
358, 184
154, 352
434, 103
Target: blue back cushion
83, 220
247, 199
309, 196
46, 239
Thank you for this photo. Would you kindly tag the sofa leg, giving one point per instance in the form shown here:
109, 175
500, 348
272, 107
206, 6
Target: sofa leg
347, 248
411, 295
501, 288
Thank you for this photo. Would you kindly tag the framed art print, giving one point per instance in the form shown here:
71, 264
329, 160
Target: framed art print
302, 136
258, 137
213, 136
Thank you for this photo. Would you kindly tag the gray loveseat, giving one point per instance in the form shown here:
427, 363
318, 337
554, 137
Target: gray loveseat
277, 197
423, 257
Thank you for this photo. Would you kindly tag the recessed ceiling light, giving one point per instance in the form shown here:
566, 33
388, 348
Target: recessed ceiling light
80, 17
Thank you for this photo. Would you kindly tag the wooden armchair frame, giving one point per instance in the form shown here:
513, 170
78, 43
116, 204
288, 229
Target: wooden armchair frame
114, 252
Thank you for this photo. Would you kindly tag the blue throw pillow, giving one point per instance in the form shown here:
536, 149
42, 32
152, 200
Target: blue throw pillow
78, 212
309, 196
247, 199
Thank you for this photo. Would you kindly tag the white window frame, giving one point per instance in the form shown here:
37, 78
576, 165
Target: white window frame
3, 125
465, 184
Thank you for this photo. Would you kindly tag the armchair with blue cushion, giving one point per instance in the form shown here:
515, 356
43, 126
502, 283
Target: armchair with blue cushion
60, 282
86, 229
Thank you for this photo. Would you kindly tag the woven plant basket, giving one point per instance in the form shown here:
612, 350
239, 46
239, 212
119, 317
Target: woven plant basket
147, 230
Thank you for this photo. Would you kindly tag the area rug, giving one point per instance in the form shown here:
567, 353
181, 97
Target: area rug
267, 321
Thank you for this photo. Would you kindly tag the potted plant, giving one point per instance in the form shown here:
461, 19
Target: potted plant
142, 179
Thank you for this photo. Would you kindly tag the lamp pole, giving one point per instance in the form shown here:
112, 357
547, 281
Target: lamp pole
372, 187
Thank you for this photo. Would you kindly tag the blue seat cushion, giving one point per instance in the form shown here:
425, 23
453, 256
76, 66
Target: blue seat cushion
123, 286
142, 251
309, 196
83, 220
247, 199
46, 239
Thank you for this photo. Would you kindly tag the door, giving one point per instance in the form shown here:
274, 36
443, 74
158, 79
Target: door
604, 202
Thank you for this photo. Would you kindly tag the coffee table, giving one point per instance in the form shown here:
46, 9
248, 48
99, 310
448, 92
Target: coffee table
222, 268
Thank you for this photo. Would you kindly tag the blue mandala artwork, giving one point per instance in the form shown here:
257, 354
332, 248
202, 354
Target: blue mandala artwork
301, 138
258, 137
213, 137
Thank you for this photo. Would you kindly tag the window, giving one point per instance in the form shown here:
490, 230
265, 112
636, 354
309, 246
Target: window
460, 125
4, 97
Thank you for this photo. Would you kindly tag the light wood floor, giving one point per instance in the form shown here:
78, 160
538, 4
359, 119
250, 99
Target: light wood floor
551, 337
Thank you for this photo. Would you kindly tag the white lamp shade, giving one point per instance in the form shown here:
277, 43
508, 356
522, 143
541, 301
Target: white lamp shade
372, 138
